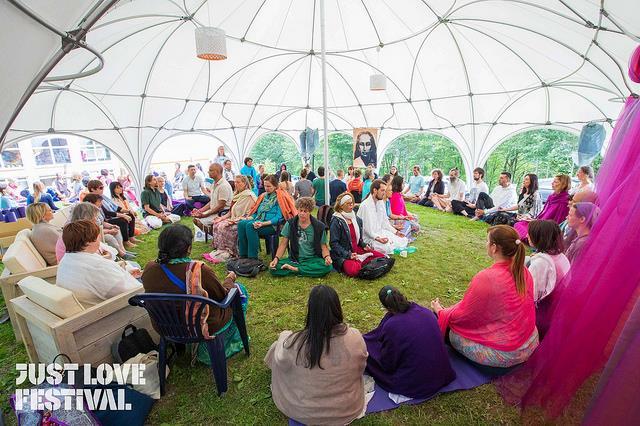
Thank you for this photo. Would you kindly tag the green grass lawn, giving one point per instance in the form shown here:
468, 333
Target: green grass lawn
450, 251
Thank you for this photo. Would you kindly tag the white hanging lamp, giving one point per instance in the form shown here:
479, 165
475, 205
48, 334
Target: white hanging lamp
211, 43
378, 81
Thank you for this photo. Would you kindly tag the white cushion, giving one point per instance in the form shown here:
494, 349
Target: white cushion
22, 256
57, 300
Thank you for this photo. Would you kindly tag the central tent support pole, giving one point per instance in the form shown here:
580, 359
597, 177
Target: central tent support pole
324, 103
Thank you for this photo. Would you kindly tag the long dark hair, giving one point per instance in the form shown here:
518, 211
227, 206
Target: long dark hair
533, 186
112, 188
396, 183
324, 320
393, 300
546, 237
174, 242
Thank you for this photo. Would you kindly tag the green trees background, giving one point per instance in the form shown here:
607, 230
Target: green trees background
425, 149
545, 152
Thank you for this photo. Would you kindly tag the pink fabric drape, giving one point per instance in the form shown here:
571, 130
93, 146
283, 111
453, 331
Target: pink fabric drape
556, 209
492, 312
595, 298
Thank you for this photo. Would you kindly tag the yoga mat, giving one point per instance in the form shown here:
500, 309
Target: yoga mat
467, 377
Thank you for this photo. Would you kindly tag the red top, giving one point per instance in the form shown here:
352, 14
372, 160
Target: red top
492, 312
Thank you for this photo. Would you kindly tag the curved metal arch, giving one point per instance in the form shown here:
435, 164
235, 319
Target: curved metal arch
146, 84
269, 84
566, 46
163, 126
255, 140
243, 69
353, 92
485, 157
150, 153
466, 161
386, 76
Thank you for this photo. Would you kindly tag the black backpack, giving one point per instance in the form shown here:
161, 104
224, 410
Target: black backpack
245, 267
137, 341
325, 213
376, 268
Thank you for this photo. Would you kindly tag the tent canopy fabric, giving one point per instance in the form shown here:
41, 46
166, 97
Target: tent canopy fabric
475, 71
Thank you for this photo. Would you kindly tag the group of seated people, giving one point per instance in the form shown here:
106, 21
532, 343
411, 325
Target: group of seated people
319, 373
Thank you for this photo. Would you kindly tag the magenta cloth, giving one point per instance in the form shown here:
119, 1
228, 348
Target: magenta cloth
491, 311
616, 399
556, 209
593, 301
407, 355
397, 204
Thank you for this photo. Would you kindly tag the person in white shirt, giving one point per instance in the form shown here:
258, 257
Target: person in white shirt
548, 265
92, 278
227, 173
502, 197
194, 189
455, 191
585, 176
377, 230
468, 207
221, 196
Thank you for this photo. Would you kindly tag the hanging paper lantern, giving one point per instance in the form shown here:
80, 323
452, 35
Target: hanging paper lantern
377, 82
211, 43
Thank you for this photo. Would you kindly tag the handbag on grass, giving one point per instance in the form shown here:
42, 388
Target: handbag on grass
151, 386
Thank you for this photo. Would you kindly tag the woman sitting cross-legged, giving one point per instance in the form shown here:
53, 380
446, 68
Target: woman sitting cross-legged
91, 277
316, 373
271, 207
580, 220
174, 272
495, 322
225, 227
556, 207
305, 237
348, 252
44, 235
407, 355
397, 210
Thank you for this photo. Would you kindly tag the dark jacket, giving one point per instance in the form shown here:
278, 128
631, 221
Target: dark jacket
438, 188
336, 187
340, 241
318, 229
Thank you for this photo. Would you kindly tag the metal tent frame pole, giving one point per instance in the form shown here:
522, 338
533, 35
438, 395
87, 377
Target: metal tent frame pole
324, 103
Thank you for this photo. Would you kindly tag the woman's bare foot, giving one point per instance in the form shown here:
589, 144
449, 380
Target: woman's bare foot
135, 240
290, 267
129, 244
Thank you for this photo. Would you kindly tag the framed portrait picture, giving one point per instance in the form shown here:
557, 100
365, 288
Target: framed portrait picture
365, 151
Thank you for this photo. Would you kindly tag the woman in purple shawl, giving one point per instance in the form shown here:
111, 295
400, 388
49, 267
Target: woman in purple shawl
556, 207
407, 355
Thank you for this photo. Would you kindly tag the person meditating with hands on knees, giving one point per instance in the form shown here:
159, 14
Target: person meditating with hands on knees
306, 239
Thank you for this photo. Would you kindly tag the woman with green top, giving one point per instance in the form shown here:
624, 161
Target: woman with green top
306, 239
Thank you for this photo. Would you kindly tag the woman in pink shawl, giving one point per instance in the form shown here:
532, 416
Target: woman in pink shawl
555, 209
495, 322
398, 209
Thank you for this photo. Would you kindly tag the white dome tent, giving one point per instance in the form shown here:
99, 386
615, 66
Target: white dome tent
475, 71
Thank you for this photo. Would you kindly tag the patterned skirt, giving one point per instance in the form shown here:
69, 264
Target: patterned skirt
491, 357
225, 237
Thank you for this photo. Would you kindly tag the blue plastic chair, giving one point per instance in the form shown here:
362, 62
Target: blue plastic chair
176, 318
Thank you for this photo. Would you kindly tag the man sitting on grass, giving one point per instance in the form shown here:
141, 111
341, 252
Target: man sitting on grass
306, 239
